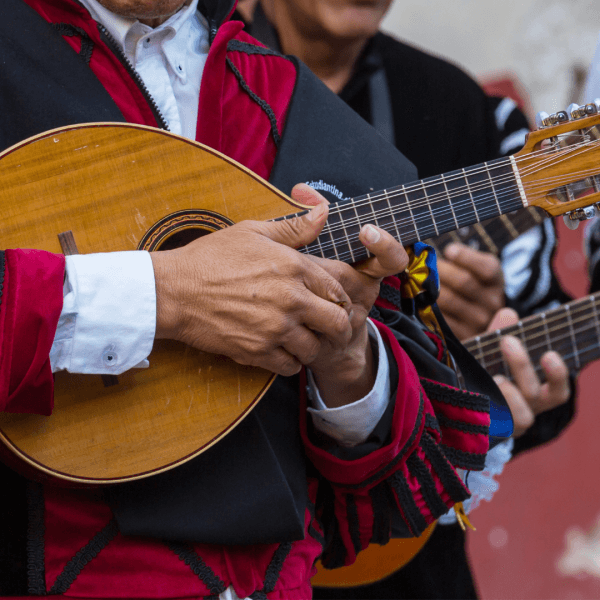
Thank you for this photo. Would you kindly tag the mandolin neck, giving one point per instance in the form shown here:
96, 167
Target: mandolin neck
422, 209
572, 330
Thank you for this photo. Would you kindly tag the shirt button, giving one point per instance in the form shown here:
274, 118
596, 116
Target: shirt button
110, 357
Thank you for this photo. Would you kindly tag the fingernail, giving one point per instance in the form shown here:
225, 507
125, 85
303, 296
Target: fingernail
451, 251
371, 234
499, 379
316, 213
552, 360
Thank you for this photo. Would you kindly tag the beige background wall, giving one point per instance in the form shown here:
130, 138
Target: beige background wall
541, 41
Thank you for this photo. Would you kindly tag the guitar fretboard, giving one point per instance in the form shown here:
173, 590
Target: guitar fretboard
572, 330
493, 235
420, 210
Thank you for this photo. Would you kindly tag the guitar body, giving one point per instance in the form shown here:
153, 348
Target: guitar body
373, 563
120, 187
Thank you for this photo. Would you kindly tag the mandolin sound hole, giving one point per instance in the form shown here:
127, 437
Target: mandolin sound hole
180, 228
181, 238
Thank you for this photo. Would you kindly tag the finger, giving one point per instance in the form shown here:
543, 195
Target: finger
388, 256
522, 414
521, 369
503, 318
303, 344
461, 330
485, 266
466, 284
279, 361
474, 316
304, 194
295, 232
557, 389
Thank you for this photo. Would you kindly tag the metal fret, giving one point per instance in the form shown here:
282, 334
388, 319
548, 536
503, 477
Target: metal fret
573, 340
481, 357
595, 313
327, 229
546, 331
394, 221
487, 169
430, 209
450, 201
471, 196
498, 333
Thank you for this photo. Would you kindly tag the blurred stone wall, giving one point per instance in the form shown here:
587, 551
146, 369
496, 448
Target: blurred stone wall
546, 44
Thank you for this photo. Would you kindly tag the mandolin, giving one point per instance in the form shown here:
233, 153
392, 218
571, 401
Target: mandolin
108, 187
572, 330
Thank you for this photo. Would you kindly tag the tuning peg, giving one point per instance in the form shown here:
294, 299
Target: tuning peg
573, 217
540, 119
585, 110
571, 110
572, 224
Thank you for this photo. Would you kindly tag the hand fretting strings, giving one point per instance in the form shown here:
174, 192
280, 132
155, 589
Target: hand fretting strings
546, 327
438, 219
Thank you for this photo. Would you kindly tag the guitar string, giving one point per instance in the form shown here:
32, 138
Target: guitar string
490, 356
588, 305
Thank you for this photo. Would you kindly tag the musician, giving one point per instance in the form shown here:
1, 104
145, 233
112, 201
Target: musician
249, 517
439, 118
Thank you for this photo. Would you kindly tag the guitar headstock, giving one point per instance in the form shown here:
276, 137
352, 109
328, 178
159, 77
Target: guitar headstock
559, 165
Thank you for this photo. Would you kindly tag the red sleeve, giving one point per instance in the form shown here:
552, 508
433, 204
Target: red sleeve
30, 305
414, 475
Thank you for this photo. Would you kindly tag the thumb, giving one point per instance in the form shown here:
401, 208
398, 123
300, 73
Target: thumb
299, 231
503, 318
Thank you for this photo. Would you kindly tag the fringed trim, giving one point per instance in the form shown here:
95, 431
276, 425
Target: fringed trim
460, 398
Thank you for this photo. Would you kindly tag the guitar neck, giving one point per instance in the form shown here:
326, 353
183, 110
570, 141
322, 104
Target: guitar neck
493, 235
421, 210
572, 330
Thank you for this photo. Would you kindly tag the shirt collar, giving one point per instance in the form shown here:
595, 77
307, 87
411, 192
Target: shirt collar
118, 26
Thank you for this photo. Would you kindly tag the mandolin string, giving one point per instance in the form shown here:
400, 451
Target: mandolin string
426, 217
420, 186
415, 221
390, 194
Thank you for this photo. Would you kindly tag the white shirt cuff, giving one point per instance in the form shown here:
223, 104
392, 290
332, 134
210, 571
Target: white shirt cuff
108, 319
352, 424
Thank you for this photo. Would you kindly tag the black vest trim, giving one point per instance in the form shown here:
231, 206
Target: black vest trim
465, 427
465, 460
443, 468
36, 580
391, 294
87, 45
432, 423
206, 575
382, 513
414, 519
262, 103
246, 48
83, 557
275, 566
455, 397
353, 522
400, 456
419, 470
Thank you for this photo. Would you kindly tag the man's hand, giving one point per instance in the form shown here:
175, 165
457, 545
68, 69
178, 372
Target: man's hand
345, 373
246, 293
472, 289
525, 395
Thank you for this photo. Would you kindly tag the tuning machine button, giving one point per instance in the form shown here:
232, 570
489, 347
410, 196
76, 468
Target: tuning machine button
573, 217
540, 119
